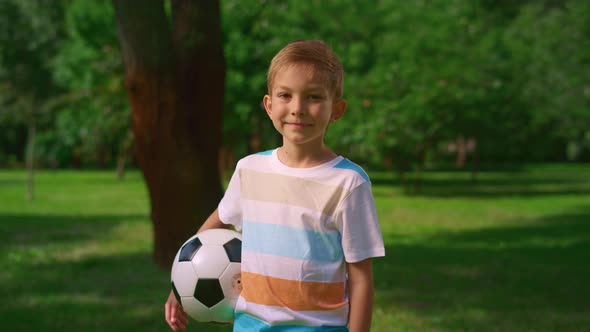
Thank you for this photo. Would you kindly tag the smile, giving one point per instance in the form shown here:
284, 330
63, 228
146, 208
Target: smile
297, 124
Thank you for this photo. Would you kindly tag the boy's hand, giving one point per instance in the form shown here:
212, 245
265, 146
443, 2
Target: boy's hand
176, 317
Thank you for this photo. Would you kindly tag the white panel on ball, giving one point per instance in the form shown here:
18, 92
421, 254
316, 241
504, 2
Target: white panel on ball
185, 279
231, 281
223, 312
196, 309
210, 261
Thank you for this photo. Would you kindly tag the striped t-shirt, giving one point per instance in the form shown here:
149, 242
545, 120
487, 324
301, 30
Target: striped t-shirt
299, 228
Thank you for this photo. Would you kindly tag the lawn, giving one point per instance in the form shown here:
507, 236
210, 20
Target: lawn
508, 252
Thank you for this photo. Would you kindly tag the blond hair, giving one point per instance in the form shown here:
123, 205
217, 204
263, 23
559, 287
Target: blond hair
314, 53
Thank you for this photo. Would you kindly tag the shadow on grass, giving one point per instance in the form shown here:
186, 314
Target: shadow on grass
111, 293
532, 277
495, 184
23, 230
4, 183
87, 292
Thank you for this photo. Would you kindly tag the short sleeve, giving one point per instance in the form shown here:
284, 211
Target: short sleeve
229, 208
356, 219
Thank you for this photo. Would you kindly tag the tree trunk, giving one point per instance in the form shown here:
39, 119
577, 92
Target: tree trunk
125, 151
30, 157
174, 76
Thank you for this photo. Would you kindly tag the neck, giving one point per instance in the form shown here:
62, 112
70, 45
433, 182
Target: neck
301, 156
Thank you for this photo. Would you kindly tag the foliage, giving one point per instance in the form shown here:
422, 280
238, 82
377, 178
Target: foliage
419, 75
29, 39
92, 129
550, 47
73, 68
30, 36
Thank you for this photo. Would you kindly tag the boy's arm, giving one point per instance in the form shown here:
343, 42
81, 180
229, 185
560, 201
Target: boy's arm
360, 283
213, 222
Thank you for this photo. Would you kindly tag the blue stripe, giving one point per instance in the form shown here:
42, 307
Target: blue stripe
281, 240
347, 164
243, 323
265, 153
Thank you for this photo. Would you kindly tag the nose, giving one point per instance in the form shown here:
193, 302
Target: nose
297, 107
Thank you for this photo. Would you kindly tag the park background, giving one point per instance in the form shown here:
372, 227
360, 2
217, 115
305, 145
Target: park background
120, 123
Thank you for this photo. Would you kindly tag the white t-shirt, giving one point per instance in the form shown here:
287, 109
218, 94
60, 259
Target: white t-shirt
299, 228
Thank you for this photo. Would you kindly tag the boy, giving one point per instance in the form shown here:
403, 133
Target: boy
307, 215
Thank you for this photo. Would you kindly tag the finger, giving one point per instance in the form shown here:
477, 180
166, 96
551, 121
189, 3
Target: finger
182, 318
172, 326
181, 325
180, 315
170, 313
167, 314
179, 321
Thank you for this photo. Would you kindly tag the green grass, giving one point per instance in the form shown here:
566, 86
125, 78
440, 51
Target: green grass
508, 252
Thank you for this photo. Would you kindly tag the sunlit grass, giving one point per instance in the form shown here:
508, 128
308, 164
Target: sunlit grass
507, 252
504, 253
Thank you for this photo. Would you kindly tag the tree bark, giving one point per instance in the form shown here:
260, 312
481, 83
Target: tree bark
174, 76
125, 151
30, 157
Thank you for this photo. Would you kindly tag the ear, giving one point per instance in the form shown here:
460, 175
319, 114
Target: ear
338, 110
267, 102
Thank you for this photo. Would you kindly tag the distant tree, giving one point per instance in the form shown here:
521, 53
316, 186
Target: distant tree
30, 34
548, 43
174, 76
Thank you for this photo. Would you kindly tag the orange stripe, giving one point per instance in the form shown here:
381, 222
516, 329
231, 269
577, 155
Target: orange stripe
293, 294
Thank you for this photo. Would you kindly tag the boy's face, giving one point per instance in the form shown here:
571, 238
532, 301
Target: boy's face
300, 105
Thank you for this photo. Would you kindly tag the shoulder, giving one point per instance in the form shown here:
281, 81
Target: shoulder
255, 160
346, 175
353, 171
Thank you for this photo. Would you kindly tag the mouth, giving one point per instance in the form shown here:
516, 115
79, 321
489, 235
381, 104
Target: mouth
297, 124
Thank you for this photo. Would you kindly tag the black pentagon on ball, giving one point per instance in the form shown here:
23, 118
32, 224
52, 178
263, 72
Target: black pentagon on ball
209, 292
188, 251
176, 295
234, 250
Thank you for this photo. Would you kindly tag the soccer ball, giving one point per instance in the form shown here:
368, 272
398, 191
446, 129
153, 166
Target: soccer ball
206, 275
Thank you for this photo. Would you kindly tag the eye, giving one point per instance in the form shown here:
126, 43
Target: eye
284, 95
315, 97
